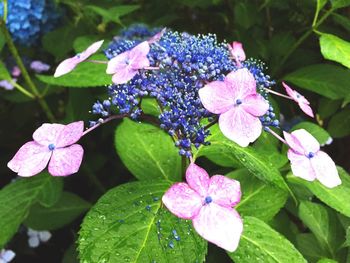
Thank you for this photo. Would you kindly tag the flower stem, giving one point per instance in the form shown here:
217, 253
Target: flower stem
97, 61
113, 117
5, 10
277, 93
24, 71
275, 134
21, 89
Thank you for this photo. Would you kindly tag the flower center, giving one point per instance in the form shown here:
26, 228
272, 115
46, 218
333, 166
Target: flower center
51, 147
310, 155
238, 101
208, 200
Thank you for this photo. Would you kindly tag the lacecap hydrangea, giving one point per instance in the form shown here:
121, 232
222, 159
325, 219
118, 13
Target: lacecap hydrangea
27, 20
186, 63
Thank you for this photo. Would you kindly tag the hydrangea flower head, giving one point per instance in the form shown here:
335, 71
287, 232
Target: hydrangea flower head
36, 237
6, 256
208, 203
53, 144
237, 52
308, 161
127, 64
69, 64
238, 104
303, 103
27, 20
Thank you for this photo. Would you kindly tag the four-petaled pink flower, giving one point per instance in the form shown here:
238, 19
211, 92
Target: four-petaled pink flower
69, 64
127, 64
237, 52
300, 99
238, 104
208, 203
308, 162
157, 36
53, 144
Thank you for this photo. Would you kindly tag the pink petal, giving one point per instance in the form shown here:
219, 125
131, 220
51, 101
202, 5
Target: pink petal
48, 133
66, 66
119, 62
291, 93
70, 134
306, 109
140, 63
307, 141
216, 97
30, 159
240, 126
219, 225
224, 191
301, 166
198, 179
139, 52
242, 82
92, 49
255, 104
182, 201
16, 72
237, 51
66, 161
294, 143
157, 36
122, 76
325, 169
39, 66
6, 84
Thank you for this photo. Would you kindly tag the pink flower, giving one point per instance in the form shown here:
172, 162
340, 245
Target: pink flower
16, 72
238, 104
127, 64
69, 64
157, 36
308, 162
237, 52
6, 256
39, 66
301, 100
208, 203
7, 85
53, 144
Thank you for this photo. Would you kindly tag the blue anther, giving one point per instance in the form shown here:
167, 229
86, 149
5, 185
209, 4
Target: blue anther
238, 102
310, 155
51, 147
208, 200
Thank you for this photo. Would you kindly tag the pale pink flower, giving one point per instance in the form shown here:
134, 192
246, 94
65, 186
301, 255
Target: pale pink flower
69, 64
127, 64
53, 144
39, 66
6, 255
16, 72
238, 104
7, 85
157, 36
208, 203
308, 161
300, 99
237, 52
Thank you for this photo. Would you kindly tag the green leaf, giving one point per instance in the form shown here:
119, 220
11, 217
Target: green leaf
327, 80
150, 106
340, 3
327, 107
2, 41
335, 49
260, 243
15, 202
337, 198
83, 42
342, 20
4, 74
327, 260
318, 132
113, 14
247, 156
84, 75
309, 247
65, 210
322, 224
347, 238
52, 191
339, 125
259, 199
245, 14
129, 224
147, 151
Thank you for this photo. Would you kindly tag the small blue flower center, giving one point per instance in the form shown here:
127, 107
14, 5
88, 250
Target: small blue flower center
208, 200
127, 61
310, 155
51, 147
238, 102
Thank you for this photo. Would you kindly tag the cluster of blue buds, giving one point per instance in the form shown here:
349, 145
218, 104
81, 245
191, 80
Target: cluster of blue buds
186, 63
27, 20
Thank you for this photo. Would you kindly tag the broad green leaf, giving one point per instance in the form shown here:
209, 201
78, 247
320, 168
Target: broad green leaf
318, 132
63, 212
307, 244
150, 106
322, 224
245, 14
347, 238
76, 108
337, 197
259, 199
340, 3
342, 20
285, 225
327, 107
260, 243
339, 125
52, 191
129, 224
15, 202
247, 156
83, 42
84, 75
4, 74
335, 49
327, 80
71, 254
327, 260
2, 41
113, 14
147, 151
